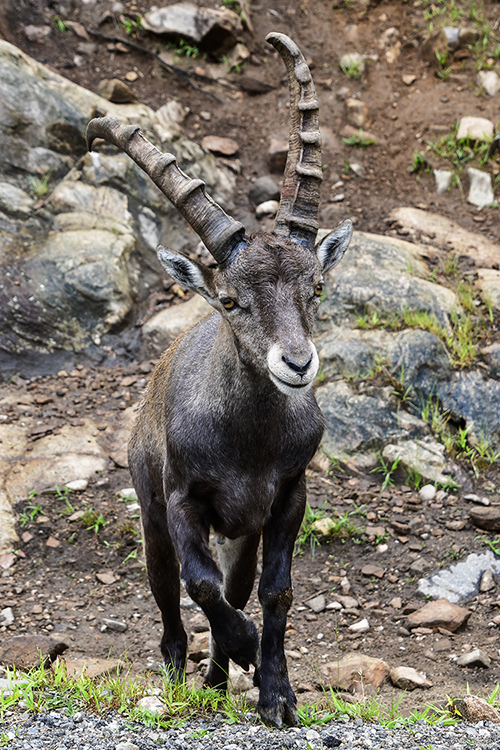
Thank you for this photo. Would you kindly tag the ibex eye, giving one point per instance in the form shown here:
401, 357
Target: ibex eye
318, 290
228, 303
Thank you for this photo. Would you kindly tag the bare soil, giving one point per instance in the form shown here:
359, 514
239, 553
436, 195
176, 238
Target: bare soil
53, 588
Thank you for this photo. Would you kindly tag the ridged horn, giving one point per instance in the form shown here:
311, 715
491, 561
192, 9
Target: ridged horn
222, 235
297, 215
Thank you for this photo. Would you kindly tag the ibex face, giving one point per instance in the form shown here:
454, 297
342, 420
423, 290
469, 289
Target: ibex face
223, 438
268, 295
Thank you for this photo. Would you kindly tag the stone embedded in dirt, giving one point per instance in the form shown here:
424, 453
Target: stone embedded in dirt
439, 613
36, 33
27, 651
473, 498
317, 603
7, 560
348, 602
486, 518
345, 585
268, 208
427, 493
427, 458
6, 616
408, 678
358, 113
52, 542
152, 705
116, 91
408, 79
360, 626
490, 81
277, 154
116, 625
324, 527
443, 179
419, 566
239, 680
264, 189
488, 282
475, 128
127, 745
200, 646
78, 485
214, 30
90, 666
474, 709
354, 670
127, 493
335, 606
106, 577
170, 118
433, 45
219, 145
348, 131
480, 190
373, 570
475, 658
396, 602
487, 581
76, 516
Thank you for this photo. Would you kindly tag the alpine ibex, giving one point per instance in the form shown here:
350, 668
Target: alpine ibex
229, 422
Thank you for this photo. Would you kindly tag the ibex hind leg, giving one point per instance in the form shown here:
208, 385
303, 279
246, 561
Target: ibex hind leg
163, 570
238, 562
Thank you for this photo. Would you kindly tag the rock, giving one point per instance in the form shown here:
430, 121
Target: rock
264, 189
419, 566
28, 651
128, 493
358, 113
492, 356
236, 57
15, 201
360, 626
152, 705
317, 603
472, 498
396, 602
490, 81
220, 146
452, 36
480, 190
91, 667
373, 570
475, 128
215, 31
486, 518
475, 658
443, 180
427, 493
36, 33
348, 602
346, 587
239, 680
165, 326
475, 399
438, 614
487, 581
426, 458
488, 282
407, 678
447, 233
6, 616
324, 527
349, 131
461, 580
268, 208
408, 79
116, 625
116, 91
354, 670
106, 578
353, 61
474, 709
277, 154
170, 118
78, 485
200, 646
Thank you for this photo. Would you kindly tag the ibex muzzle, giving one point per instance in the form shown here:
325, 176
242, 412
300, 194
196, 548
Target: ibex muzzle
229, 422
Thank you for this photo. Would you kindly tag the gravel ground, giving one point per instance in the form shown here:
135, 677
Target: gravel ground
87, 732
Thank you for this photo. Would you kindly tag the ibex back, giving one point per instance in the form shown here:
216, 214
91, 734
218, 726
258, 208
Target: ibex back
229, 422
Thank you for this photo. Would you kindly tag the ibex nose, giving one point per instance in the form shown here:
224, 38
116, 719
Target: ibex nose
299, 369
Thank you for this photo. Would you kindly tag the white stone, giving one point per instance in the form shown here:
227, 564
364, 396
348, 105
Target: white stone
78, 485
268, 208
152, 704
128, 492
351, 60
480, 191
6, 616
443, 180
476, 128
360, 626
427, 492
490, 81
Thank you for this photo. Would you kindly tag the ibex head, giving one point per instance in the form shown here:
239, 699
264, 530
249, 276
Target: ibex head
268, 286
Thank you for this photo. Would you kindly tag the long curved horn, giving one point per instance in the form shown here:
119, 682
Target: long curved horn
298, 211
222, 235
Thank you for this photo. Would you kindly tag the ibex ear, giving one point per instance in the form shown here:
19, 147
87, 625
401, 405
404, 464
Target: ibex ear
187, 273
332, 247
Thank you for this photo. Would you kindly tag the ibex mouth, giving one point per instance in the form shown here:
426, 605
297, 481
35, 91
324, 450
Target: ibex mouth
290, 388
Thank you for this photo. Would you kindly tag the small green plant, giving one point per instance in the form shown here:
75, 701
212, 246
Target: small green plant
30, 514
131, 25
59, 24
493, 544
354, 70
92, 521
387, 469
358, 140
185, 48
40, 185
420, 163
307, 536
414, 479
